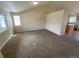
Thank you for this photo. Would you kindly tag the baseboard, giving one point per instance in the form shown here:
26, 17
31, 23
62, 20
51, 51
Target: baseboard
28, 31
1, 56
7, 41
52, 32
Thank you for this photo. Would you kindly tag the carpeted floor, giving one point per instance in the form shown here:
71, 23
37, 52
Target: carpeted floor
40, 44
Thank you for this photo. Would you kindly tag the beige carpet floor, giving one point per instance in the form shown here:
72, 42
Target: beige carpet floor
40, 44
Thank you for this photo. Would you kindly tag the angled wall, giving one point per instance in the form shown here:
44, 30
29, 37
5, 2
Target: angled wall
55, 21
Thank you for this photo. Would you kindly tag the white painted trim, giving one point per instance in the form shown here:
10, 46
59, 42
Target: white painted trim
52, 32
7, 41
1, 56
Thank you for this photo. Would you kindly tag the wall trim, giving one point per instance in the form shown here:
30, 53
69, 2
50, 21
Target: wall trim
54, 32
7, 41
1, 56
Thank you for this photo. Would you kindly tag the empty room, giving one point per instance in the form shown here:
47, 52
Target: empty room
39, 29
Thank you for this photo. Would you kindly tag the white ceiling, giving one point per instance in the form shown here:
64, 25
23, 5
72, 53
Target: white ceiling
17, 6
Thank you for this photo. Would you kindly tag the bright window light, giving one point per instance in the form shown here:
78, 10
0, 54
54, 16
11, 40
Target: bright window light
72, 19
3, 25
17, 21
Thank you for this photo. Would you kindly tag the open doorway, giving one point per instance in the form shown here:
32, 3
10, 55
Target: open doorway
72, 25
72, 28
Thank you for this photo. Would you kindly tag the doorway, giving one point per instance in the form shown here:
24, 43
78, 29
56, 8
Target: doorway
72, 25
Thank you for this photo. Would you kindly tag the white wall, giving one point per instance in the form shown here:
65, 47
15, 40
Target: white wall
54, 22
64, 22
4, 36
33, 19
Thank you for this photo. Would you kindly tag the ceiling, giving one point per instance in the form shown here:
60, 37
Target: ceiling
73, 6
18, 6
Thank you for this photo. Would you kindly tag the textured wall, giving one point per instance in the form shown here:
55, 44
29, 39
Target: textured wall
54, 21
33, 19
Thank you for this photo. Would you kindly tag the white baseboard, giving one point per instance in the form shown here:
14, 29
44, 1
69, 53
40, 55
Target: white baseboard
7, 41
1, 56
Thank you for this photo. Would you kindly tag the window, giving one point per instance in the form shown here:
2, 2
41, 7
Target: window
3, 25
72, 19
17, 21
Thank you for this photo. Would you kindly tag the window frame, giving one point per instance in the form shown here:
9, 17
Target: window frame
72, 22
15, 21
6, 28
